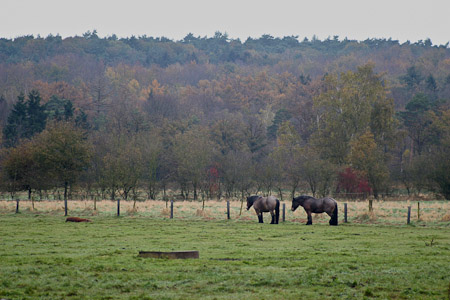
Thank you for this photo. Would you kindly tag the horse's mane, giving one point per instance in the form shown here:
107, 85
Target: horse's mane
252, 199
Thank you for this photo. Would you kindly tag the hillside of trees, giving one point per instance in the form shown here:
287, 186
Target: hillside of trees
208, 117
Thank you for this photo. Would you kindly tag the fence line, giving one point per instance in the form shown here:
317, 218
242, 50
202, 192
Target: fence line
384, 212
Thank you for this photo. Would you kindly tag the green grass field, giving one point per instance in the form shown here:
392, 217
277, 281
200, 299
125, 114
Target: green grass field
42, 257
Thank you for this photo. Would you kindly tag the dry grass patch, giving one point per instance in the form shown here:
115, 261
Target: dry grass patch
132, 211
88, 211
446, 218
203, 213
165, 212
367, 217
299, 220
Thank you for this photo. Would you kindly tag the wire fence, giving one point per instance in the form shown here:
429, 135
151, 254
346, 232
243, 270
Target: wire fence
422, 213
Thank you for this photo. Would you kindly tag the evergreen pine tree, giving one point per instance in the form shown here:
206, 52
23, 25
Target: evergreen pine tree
25, 120
15, 126
68, 110
36, 116
81, 121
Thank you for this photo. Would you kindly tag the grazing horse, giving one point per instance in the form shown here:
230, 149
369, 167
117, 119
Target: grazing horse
313, 205
265, 204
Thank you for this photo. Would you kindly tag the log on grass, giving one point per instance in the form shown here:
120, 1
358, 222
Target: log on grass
76, 219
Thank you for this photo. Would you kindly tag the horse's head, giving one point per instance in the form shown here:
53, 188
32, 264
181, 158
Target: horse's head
295, 204
297, 201
250, 201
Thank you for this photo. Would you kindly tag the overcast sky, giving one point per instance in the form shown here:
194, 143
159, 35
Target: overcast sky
356, 19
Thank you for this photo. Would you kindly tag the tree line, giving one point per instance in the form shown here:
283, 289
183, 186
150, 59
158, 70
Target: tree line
212, 128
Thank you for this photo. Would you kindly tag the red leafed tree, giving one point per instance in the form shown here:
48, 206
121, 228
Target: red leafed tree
353, 183
213, 180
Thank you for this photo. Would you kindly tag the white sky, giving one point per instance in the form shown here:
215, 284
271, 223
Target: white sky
356, 19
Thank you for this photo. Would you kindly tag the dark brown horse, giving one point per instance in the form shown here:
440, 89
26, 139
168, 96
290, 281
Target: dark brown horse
313, 205
265, 204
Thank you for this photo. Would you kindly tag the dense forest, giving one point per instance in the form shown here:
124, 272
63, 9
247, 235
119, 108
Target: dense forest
210, 117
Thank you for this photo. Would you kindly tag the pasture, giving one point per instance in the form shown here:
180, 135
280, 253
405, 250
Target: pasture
372, 256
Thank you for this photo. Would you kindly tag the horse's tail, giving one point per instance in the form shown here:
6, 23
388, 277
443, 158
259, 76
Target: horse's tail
277, 211
334, 217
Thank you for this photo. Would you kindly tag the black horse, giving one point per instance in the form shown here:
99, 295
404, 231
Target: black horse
313, 205
265, 204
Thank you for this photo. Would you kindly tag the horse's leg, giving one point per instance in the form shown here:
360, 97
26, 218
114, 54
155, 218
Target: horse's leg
334, 216
273, 217
309, 218
331, 216
260, 217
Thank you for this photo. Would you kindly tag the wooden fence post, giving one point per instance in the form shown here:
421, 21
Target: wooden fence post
345, 212
284, 212
17, 204
408, 220
228, 209
242, 205
118, 207
418, 211
171, 209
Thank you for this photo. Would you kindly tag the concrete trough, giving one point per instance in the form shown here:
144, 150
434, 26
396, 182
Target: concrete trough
169, 255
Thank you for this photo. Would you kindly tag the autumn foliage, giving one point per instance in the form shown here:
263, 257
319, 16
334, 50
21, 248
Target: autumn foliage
353, 184
215, 117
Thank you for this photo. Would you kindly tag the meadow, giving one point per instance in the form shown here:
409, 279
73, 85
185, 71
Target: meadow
375, 255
